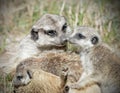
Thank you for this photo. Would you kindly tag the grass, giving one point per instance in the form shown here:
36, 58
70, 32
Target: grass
5, 84
100, 14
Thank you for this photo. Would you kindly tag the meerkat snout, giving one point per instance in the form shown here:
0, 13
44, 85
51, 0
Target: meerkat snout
85, 37
65, 40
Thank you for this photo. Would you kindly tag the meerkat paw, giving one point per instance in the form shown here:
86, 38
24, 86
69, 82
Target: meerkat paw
64, 72
75, 86
72, 88
78, 85
64, 75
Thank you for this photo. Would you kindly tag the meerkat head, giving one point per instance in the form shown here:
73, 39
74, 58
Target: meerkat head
22, 76
85, 37
50, 30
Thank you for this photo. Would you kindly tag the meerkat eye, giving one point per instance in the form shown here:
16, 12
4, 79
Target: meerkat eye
80, 36
94, 40
51, 33
19, 77
64, 27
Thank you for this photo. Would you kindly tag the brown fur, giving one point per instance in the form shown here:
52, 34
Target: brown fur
91, 89
42, 82
52, 63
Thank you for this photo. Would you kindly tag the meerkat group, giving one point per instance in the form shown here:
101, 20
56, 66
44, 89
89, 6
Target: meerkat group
96, 71
49, 73
49, 35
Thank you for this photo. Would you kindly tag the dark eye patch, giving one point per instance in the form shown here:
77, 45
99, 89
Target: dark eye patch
34, 35
95, 40
64, 27
29, 74
19, 77
51, 33
80, 36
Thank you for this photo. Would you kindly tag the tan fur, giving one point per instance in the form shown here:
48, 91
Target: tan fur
54, 64
91, 89
51, 63
42, 82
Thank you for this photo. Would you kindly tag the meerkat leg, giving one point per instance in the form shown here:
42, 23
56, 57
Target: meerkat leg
86, 82
64, 75
93, 89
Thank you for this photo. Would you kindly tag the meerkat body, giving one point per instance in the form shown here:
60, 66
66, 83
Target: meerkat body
47, 34
50, 71
31, 80
101, 65
102, 69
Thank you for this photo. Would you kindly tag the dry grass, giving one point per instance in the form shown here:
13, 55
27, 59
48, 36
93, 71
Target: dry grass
5, 83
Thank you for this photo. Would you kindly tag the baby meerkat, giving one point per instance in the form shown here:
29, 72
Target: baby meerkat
101, 65
48, 33
31, 80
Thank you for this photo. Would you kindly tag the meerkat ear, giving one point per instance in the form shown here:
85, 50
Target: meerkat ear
34, 35
94, 40
30, 74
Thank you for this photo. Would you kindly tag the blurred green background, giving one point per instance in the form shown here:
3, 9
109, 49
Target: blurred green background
18, 16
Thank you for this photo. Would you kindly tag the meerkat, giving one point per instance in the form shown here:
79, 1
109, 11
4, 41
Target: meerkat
31, 80
47, 34
101, 65
50, 68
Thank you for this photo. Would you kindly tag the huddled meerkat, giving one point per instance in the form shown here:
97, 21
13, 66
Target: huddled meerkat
51, 67
48, 33
31, 80
101, 65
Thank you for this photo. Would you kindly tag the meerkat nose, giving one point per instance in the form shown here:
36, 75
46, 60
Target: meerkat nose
65, 41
